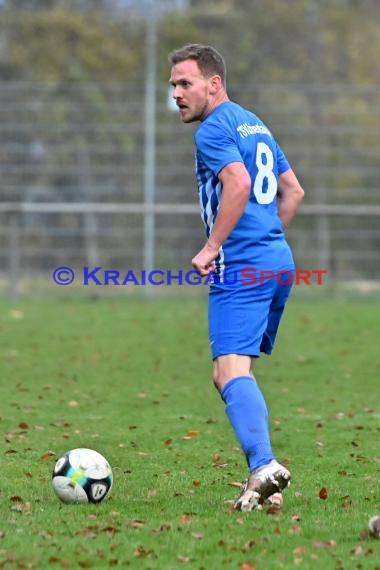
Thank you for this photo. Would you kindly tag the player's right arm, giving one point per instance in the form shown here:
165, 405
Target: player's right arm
236, 190
236, 183
289, 196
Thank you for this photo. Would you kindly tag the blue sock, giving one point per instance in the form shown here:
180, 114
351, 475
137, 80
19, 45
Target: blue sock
247, 411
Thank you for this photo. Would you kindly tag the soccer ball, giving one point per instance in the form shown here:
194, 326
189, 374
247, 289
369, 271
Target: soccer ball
82, 476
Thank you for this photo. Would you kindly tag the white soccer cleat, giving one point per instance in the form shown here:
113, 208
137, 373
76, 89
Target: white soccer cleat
264, 485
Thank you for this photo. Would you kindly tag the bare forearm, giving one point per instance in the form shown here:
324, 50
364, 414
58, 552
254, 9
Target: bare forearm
287, 209
289, 197
231, 209
235, 194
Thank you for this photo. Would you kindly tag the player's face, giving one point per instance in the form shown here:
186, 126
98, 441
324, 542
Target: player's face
191, 91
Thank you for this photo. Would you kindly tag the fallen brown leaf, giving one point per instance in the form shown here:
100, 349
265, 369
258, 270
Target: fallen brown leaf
295, 530
181, 558
162, 528
46, 455
247, 565
346, 502
300, 550
217, 461
23, 508
140, 551
364, 535
273, 510
136, 523
110, 530
323, 493
249, 545
191, 434
324, 544
186, 518
357, 550
89, 532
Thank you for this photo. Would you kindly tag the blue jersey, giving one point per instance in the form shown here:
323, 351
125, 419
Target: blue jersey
233, 134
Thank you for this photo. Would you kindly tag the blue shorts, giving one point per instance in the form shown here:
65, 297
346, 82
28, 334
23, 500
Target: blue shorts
243, 319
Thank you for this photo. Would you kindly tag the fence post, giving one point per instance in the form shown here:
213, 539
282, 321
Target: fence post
14, 256
150, 142
323, 235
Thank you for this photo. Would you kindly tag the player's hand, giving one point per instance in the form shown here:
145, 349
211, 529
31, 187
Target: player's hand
204, 260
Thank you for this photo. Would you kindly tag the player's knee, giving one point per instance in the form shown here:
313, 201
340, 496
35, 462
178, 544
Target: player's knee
215, 379
219, 380
218, 377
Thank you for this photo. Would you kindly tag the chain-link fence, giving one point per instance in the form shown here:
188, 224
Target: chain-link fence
65, 146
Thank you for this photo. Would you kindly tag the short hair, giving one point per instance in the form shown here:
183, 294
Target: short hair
209, 60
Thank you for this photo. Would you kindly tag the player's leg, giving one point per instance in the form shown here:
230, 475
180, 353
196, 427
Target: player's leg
245, 407
240, 327
248, 415
238, 318
266, 482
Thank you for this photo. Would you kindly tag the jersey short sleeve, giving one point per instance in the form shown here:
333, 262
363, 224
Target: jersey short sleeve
216, 146
282, 162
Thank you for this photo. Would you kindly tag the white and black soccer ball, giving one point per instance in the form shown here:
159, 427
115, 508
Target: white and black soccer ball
82, 476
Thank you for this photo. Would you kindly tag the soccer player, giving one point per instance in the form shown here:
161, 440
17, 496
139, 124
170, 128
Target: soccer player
248, 195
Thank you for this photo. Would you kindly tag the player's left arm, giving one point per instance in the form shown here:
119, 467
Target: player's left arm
236, 183
289, 196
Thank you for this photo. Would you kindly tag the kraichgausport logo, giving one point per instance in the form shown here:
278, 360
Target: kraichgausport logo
247, 276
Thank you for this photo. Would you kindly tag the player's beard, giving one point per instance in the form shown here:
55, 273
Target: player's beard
198, 114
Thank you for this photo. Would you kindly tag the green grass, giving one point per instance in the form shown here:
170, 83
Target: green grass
131, 379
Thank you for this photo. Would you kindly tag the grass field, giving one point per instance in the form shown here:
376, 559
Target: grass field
131, 379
